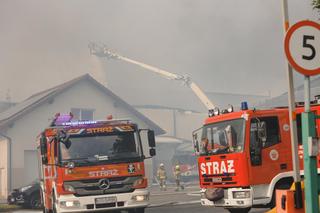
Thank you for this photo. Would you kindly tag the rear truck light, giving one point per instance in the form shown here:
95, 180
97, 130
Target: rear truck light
70, 204
140, 198
140, 183
241, 194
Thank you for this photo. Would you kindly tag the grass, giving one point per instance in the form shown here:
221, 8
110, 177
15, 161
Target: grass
6, 207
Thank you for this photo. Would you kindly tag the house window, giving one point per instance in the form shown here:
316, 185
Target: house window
273, 133
82, 114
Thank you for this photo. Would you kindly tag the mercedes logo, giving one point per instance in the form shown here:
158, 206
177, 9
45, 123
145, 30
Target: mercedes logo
104, 184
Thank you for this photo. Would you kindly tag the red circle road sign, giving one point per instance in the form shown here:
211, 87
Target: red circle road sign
302, 47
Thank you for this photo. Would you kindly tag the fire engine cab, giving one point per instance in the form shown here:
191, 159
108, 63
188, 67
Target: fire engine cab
244, 156
93, 165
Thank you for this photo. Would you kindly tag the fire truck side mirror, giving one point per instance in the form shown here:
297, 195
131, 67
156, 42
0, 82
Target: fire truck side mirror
151, 139
196, 134
196, 143
64, 138
43, 149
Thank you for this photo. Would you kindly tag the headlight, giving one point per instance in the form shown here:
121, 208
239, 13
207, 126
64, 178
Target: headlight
241, 194
23, 189
70, 204
140, 198
70, 165
140, 183
69, 188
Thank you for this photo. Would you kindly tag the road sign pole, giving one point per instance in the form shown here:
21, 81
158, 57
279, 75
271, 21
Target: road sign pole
292, 117
310, 162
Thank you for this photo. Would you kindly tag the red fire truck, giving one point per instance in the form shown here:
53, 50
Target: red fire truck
244, 156
93, 165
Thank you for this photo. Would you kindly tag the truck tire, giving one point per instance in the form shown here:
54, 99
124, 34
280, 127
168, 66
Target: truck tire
239, 210
137, 210
54, 206
282, 184
44, 210
35, 201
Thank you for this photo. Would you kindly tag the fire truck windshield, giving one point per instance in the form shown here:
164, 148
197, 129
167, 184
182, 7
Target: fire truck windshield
223, 137
100, 148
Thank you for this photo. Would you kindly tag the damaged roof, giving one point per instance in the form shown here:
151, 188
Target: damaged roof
15, 112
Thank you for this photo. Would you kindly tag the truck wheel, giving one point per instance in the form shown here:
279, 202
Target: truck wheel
44, 210
240, 210
35, 201
54, 205
138, 210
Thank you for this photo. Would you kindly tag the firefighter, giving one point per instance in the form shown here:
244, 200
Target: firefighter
177, 175
162, 177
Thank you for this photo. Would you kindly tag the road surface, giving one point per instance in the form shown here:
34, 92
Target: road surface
174, 209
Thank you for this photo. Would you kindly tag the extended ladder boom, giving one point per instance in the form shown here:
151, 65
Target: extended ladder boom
103, 51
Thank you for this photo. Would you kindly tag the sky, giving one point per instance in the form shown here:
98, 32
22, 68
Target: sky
224, 46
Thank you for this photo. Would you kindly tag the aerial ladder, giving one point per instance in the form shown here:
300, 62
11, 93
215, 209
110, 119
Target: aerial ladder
103, 51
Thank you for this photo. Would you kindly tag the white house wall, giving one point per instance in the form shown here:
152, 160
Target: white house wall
83, 95
3, 168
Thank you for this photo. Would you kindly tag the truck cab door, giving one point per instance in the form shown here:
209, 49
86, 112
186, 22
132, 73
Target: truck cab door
269, 155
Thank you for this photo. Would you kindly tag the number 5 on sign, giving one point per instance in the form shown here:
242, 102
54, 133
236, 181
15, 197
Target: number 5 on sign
302, 47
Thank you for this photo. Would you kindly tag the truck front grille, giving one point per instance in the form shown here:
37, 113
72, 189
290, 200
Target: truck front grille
92, 186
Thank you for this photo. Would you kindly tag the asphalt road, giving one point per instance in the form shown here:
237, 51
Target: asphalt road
176, 209
194, 208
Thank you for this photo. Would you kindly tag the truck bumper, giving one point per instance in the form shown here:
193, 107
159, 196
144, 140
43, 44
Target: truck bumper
70, 203
233, 198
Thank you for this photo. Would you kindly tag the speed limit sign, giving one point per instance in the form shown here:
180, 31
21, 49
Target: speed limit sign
302, 47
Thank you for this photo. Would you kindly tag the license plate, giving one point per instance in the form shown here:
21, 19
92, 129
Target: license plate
219, 202
217, 180
104, 200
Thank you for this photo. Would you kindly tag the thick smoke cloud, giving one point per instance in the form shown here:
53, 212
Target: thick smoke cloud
225, 46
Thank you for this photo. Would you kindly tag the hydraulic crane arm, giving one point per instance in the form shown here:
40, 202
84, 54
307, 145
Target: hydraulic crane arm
103, 51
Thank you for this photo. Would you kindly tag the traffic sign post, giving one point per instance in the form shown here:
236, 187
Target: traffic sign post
302, 48
292, 118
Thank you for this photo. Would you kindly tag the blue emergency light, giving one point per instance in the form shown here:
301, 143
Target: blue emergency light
244, 105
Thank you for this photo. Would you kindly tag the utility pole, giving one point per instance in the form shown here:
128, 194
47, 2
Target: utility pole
292, 117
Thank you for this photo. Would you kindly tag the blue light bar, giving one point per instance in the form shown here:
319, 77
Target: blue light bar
244, 105
76, 123
60, 119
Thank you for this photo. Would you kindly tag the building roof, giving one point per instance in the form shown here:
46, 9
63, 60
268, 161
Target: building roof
235, 99
4, 105
282, 100
183, 98
24, 107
